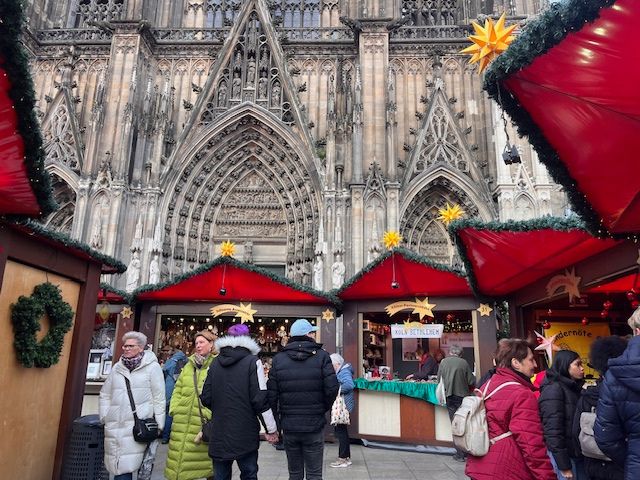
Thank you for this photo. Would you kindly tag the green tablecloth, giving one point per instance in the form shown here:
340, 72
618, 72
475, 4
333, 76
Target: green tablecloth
421, 390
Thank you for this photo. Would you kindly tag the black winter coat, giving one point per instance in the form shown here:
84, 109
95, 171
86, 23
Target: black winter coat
617, 427
596, 469
235, 391
557, 405
302, 385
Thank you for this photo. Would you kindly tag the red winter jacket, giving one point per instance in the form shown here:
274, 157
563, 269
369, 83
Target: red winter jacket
523, 455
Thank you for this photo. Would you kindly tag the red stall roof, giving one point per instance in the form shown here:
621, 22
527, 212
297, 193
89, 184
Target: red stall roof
242, 282
416, 276
502, 258
570, 83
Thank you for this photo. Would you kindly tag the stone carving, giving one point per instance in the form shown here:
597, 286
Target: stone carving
262, 87
96, 232
251, 73
318, 273
154, 269
222, 94
275, 94
133, 272
337, 273
247, 253
235, 86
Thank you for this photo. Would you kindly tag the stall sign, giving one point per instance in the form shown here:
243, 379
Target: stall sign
416, 330
577, 337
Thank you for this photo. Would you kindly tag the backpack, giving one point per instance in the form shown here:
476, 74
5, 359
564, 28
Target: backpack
179, 366
469, 425
587, 441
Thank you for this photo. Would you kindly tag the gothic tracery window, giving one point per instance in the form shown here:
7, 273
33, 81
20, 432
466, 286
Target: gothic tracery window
430, 12
98, 11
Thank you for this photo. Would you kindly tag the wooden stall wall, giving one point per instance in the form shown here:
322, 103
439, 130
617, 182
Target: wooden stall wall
32, 398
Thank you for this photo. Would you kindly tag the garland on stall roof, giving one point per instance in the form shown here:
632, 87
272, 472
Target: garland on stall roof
26, 314
15, 62
536, 38
330, 297
126, 296
553, 223
407, 254
58, 237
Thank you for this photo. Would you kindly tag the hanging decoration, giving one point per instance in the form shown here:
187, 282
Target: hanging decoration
585, 321
242, 311
103, 311
484, 309
391, 240
126, 312
449, 213
569, 281
328, 315
421, 307
26, 313
227, 249
489, 41
547, 345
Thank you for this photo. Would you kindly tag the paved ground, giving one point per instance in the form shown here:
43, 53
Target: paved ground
368, 464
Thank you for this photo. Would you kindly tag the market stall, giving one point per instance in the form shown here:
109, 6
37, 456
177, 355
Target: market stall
396, 309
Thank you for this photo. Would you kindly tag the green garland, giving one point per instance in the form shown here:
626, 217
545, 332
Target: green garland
407, 254
29, 225
16, 64
330, 297
537, 37
126, 297
25, 317
554, 223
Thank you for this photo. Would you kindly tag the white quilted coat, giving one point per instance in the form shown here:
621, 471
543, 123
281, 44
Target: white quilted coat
122, 454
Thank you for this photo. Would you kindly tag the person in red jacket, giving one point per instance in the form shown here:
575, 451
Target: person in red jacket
522, 455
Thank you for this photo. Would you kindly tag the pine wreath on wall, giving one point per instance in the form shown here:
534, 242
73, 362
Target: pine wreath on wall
26, 315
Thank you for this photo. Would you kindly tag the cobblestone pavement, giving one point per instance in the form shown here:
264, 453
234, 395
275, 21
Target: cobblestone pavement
368, 464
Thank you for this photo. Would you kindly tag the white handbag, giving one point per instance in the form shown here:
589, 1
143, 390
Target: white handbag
441, 395
339, 411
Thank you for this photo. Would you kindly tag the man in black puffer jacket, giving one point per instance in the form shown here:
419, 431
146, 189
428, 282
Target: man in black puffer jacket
302, 388
236, 392
617, 427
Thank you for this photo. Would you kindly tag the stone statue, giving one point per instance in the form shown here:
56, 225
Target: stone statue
154, 270
247, 255
275, 94
318, 268
96, 234
262, 87
235, 87
222, 94
133, 272
251, 74
337, 273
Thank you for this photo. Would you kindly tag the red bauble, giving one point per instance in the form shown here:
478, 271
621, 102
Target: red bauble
604, 314
585, 321
631, 296
539, 340
546, 325
450, 317
635, 304
607, 305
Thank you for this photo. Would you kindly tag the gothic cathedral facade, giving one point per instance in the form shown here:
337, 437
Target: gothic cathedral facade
301, 130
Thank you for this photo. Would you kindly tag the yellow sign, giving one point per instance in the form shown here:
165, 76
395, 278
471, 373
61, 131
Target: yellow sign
577, 337
421, 307
327, 315
244, 312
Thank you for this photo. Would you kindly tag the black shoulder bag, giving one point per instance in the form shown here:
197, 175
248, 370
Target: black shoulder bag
207, 425
145, 430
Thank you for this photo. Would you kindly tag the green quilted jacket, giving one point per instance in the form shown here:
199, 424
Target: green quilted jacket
186, 460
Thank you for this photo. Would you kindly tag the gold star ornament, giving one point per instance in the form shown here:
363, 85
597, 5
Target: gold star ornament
126, 312
484, 309
449, 213
489, 41
391, 239
327, 315
227, 249
245, 312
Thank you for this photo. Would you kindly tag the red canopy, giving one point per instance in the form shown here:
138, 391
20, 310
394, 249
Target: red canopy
242, 283
416, 276
501, 261
622, 284
582, 100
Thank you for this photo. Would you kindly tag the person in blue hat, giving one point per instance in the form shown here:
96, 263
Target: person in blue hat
302, 387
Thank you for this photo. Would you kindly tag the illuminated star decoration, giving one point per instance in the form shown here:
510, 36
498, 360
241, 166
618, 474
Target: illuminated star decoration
449, 213
489, 42
245, 312
391, 239
327, 315
126, 312
424, 308
227, 249
484, 309
548, 345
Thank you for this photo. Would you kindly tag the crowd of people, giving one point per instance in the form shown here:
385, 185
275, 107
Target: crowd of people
563, 430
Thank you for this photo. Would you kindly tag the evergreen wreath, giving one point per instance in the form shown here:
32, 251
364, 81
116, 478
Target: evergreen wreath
25, 317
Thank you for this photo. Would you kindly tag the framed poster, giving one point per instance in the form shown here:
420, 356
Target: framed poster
106, 368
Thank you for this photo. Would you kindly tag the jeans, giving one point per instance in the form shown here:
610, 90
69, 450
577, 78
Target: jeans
168, 420
124, 476
577, 467
248, 466
342, 434
453, 404
304, 453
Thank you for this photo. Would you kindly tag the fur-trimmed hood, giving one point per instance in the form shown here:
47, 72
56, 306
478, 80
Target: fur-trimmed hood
231, 348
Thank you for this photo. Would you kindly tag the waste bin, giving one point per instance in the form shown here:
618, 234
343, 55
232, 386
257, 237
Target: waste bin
84, 456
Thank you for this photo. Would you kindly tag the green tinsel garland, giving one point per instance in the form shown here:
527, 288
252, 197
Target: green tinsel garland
26, 314
407, 254
330, 297
16, 63
536, 38
554, 223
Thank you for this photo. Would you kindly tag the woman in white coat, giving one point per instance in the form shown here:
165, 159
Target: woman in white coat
122, 454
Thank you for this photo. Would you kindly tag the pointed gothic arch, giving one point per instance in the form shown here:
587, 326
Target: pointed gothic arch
61, 136
207, 201
65, 196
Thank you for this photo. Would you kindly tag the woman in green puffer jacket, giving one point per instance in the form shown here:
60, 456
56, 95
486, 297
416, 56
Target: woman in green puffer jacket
188, 460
